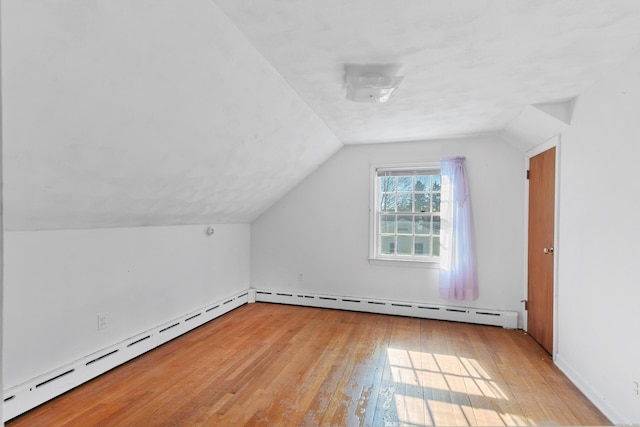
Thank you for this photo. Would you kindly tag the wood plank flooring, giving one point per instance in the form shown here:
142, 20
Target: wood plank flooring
268, 364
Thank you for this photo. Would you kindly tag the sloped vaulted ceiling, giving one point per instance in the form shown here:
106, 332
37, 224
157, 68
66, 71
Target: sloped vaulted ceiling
163, 112
144, 112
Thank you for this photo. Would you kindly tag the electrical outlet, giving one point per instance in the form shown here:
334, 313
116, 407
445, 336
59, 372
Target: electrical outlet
636, 388
102, 321
300, 277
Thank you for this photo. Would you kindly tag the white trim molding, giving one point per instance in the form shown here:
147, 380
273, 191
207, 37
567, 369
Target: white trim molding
597, 399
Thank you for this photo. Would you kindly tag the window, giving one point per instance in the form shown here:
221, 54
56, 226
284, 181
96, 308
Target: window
406, 213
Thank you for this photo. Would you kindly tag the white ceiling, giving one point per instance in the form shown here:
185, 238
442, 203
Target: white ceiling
163, 112
470, 65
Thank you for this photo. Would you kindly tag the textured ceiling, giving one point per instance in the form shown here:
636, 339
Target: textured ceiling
163, 112
145, 112
470, 65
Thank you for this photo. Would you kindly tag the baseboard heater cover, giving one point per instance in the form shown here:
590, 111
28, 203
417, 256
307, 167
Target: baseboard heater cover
43, 388
481, 316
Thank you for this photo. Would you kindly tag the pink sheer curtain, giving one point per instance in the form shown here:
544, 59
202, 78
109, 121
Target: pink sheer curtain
458, 269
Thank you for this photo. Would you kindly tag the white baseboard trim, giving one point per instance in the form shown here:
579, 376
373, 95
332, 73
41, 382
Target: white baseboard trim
43, 388
39, 390
597, 399
506, 319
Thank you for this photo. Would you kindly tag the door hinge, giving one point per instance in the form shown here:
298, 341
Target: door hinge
528, 173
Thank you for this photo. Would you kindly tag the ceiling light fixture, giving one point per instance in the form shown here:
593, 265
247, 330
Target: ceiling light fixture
372, 83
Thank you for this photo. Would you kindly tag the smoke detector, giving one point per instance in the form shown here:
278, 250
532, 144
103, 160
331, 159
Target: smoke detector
371, 83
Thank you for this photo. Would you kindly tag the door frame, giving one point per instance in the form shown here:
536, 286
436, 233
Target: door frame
550, 143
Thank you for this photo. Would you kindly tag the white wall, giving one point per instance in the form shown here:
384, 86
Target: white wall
321, 228
57, 282
599, 286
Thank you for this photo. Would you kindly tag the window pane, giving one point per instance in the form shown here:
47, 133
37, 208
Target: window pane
388, 184
421, 202
404, 245
404, 202
422, 245
436, 184
404, 183
421, 183
388, 202
405, 224
436, 202
387, 245
387, 224
423, 224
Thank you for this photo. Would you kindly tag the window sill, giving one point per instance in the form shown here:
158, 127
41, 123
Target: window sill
404, 263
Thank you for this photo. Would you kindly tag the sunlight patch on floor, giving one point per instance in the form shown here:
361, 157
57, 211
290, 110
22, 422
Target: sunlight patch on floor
451, 373
412, 410
441, 389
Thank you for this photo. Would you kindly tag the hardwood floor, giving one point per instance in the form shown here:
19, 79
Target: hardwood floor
267, 364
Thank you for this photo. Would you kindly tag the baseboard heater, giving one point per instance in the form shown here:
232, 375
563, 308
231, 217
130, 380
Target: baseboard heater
506, 319
43, 388
39, 390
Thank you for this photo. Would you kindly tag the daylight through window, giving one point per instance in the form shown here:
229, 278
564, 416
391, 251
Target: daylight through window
407, 214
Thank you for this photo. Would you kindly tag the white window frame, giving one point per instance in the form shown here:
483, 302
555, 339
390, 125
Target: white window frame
375, 258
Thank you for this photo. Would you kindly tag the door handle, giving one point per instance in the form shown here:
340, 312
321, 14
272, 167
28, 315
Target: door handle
548, 250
